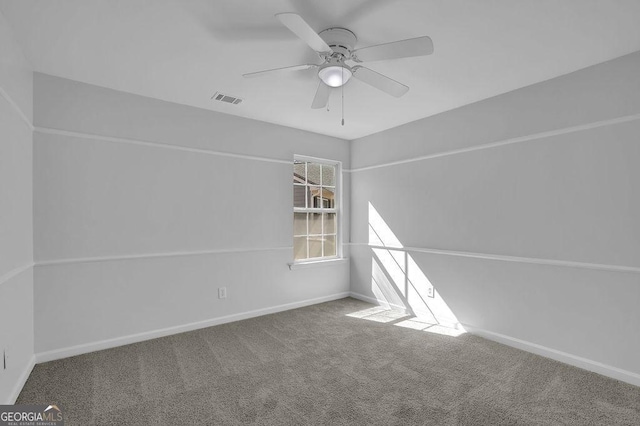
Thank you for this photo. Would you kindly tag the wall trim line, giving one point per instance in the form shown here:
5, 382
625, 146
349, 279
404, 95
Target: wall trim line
564, 357
50, 131
17, 108
22, 380
520, 139
15, 272
507, 258
154, 334
153, 255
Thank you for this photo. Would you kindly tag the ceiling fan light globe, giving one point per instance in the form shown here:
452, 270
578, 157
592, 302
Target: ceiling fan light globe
335, 75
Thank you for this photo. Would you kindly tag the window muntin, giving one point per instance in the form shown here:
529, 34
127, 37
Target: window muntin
315, 209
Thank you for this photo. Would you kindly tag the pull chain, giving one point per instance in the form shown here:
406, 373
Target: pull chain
342, 95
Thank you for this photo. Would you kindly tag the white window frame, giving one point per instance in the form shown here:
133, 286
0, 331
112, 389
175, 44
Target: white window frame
337, 209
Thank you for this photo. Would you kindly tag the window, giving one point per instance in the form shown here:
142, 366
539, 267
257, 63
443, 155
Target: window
315, 209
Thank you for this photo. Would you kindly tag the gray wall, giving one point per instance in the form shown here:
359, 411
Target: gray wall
139, 218
16, 236
522, 211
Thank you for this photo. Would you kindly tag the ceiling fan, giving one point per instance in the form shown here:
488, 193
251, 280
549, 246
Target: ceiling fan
335, 46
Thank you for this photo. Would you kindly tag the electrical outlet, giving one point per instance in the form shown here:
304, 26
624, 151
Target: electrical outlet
430, 292
222, 293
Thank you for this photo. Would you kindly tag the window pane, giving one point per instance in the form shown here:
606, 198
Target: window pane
328, 175
315, 223
299, 248
299, 224
330, 245
313, 173
299, 194
315, 247
314, 199
329, 223
329, 195
299, 172
314, 188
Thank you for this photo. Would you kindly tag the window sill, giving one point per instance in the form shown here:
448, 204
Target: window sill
316, 263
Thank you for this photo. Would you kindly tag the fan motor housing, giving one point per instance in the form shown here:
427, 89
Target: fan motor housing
340, 40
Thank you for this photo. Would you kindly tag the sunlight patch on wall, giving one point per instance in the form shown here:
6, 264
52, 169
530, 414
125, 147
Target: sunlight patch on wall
383, 288
379, 232
398, 282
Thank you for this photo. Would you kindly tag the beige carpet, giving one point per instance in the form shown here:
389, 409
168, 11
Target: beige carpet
316, 365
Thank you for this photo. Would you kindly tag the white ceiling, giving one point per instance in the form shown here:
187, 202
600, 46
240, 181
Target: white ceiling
185, 50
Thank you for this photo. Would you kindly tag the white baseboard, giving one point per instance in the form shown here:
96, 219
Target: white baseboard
21, 381
375, 301
153, 334
574, 360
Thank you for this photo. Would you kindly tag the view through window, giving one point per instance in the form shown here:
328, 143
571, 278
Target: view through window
315, 214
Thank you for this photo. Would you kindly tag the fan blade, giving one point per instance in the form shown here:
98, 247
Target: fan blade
380, 81
299, 27
420, 46
277, 70
322, 96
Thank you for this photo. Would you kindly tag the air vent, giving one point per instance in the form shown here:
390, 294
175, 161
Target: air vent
226, 98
